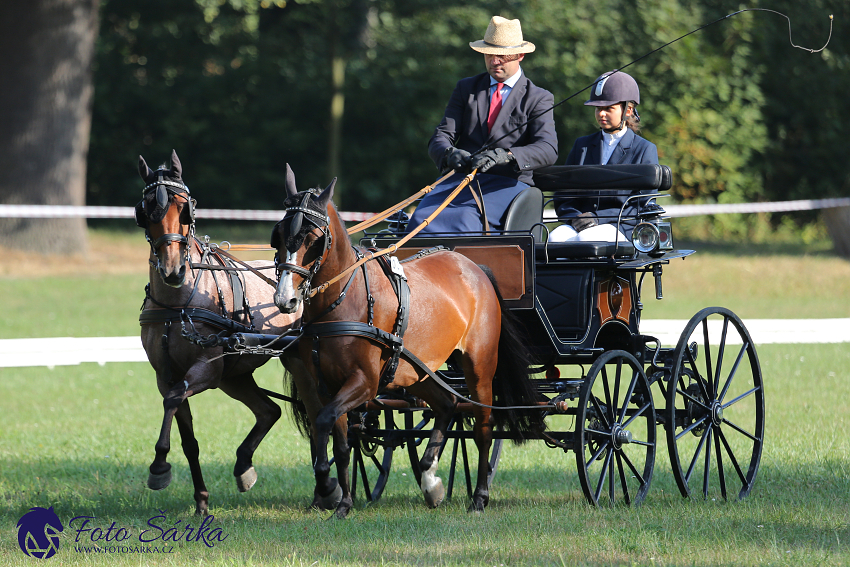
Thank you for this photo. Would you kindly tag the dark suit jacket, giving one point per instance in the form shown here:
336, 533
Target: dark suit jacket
464, 126
632, 149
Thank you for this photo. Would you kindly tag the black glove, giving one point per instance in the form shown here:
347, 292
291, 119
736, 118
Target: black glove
487, 159
583, 221
458, 159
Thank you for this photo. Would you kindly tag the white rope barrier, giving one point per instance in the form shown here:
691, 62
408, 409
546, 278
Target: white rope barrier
66, 211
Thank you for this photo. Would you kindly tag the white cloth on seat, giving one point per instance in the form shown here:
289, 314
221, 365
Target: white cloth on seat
598, 233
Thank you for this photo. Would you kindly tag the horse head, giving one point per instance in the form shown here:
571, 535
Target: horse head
167, 213
302, 240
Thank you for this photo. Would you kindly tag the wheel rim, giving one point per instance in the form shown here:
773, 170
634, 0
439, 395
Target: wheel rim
615, 437
715, 407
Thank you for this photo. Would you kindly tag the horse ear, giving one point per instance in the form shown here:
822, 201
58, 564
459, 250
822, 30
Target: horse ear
327, 194
290, 182
176, 166
144, 170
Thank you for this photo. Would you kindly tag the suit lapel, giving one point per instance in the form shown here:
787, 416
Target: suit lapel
482, 96
594, 150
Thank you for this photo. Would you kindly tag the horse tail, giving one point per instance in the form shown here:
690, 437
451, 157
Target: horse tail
512, 384
296, 407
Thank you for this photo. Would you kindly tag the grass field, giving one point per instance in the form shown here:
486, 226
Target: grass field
80, 439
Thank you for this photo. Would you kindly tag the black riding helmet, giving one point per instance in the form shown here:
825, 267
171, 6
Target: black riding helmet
615, 87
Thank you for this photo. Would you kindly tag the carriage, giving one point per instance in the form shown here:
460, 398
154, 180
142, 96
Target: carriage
608, 393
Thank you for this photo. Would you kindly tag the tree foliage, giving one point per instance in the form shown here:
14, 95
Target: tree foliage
241, 87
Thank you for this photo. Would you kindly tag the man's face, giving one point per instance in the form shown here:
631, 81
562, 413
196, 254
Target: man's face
503, 67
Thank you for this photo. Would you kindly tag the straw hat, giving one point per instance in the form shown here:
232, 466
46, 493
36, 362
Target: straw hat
503, 37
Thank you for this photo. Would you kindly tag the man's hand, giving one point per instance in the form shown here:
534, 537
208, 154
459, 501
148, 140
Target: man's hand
458, 160
583, 221
487, 159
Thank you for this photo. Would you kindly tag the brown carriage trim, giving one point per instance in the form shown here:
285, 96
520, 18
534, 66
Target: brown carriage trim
596, 177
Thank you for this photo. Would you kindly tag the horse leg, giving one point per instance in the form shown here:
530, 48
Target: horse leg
442, 404
481, 391
244, 389
160, 469
330, 498
192, 451
353, 393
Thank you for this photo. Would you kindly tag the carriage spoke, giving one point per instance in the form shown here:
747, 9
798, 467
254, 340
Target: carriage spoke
637, 414
608, 402
696, 455
595, 401
603, 475
721, 349
627, 398
697, 376
616, 399
742, 396
720, 472
623, 483
611, 479
707, 469
692, 399
741, 431
708, 365
734, 370
595, 456
692, 426
634, 470
732, 458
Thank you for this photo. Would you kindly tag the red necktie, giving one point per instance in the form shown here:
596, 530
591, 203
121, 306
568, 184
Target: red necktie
495, 106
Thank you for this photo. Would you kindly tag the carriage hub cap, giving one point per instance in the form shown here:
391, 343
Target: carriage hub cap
620, 436
716, 413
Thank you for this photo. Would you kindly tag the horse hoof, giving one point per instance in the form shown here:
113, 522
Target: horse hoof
435, 494
475, 507
246, 480
332, 500
159, 481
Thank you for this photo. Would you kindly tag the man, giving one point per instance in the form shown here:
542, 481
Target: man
502, 110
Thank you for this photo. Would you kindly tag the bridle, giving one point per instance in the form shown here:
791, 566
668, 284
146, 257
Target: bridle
164, 190
297, 215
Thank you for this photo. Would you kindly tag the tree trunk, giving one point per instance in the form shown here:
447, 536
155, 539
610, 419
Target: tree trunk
46, 51
837, 220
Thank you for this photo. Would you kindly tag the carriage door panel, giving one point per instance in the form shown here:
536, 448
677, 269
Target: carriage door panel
565, 294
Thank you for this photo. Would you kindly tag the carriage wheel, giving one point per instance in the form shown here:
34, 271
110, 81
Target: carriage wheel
372, 455
421, 421
615, 431
715, 412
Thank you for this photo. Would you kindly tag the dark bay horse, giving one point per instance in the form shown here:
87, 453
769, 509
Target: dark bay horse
454, 310
180, 289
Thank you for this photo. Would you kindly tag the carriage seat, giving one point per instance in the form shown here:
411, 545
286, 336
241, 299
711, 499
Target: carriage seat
578, 249
633, 177
525, 211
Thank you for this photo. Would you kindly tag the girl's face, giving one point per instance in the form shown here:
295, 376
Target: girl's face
610, 116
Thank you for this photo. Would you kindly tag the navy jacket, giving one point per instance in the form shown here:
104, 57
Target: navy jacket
464, 126
632, 149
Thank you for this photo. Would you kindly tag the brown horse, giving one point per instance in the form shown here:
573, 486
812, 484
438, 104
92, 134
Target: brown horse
189, 287
454, 310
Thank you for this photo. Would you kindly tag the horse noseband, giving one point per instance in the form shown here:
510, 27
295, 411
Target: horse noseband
319, 220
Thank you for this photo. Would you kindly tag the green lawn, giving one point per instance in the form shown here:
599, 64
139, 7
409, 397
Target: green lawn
80, 439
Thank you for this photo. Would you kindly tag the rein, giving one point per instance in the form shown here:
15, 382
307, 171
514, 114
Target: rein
391, 248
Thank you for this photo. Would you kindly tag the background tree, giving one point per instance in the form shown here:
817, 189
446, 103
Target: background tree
46, 48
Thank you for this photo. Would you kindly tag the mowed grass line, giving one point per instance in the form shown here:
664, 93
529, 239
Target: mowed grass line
80, 439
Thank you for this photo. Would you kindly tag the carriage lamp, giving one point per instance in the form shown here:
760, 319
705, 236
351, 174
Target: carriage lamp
665, 235
646, 237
